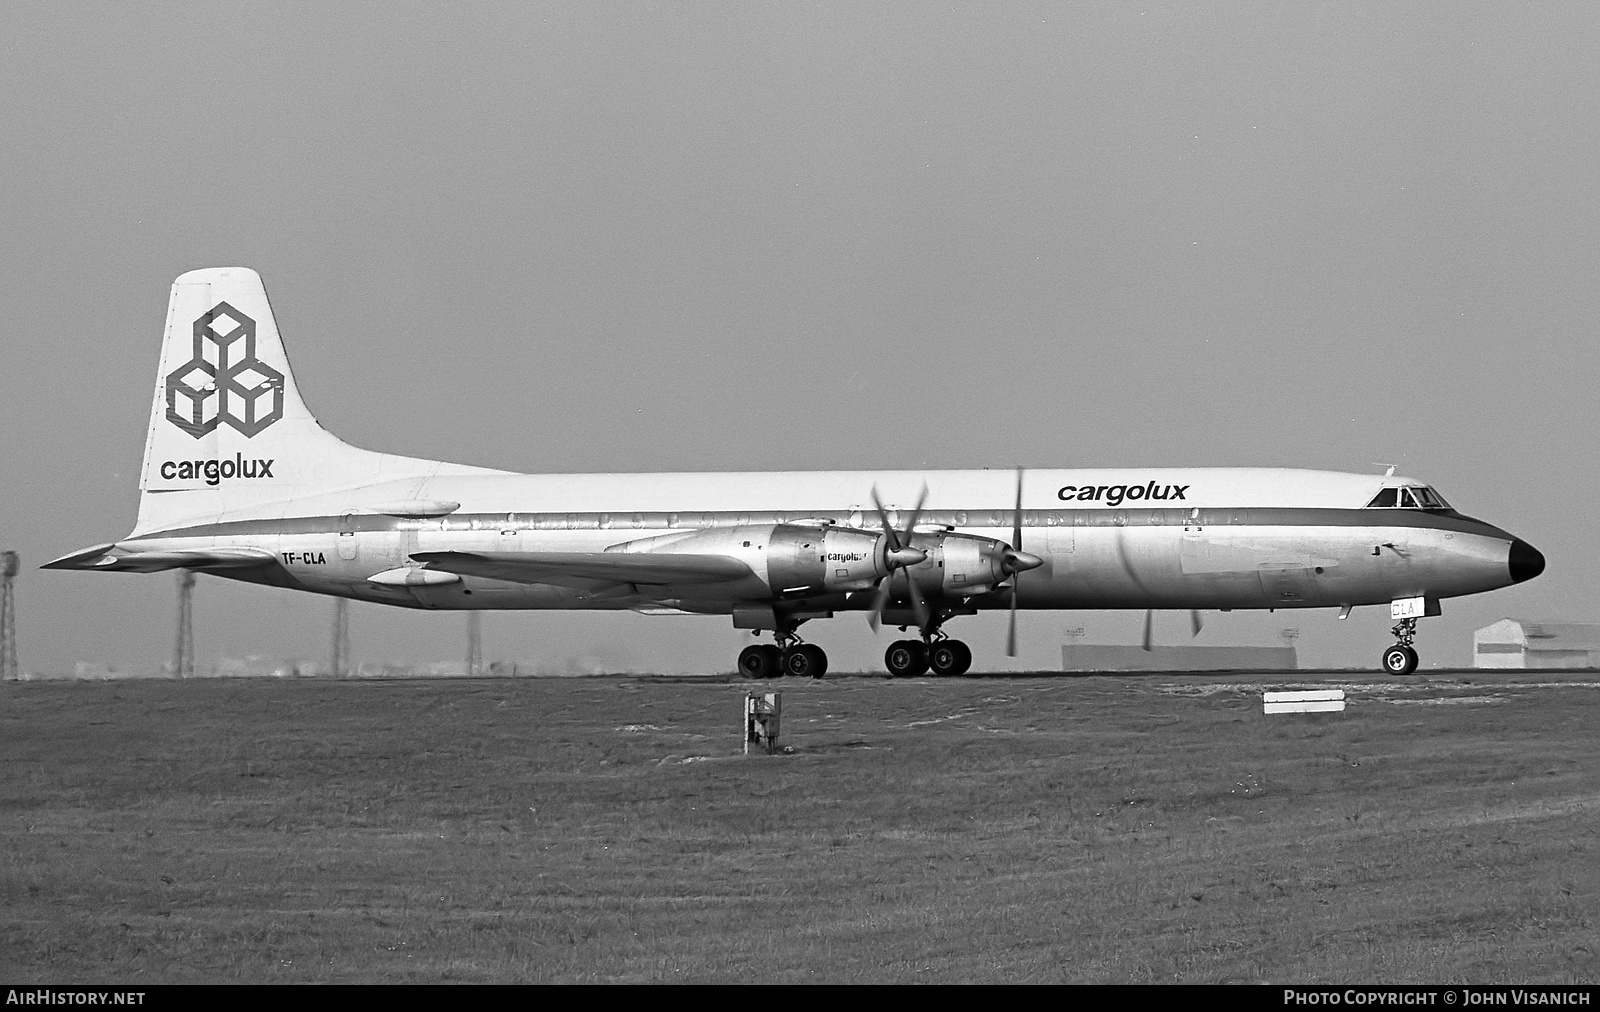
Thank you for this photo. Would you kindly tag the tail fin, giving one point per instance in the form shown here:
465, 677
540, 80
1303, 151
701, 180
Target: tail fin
228, 427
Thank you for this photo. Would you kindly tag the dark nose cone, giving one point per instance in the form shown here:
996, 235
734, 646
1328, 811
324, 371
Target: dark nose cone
1526, 561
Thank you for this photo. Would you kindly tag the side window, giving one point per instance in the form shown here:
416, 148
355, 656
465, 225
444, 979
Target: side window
1385, 498
1430, 499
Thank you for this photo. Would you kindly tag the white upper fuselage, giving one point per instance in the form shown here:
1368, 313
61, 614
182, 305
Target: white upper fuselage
1109, 538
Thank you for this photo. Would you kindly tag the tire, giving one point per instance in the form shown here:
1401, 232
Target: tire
805, 661
1399, 660
966, 657
905, 659
759, 661
819, 660
950, 658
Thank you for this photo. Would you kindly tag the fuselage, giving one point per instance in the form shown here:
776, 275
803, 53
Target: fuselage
1225, 538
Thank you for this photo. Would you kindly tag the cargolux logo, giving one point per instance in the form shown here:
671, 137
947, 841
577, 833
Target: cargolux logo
1114, 495
224, 381
213, 471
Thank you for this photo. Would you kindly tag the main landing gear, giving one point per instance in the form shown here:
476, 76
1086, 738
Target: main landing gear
944, 657
788, 657
1401, 659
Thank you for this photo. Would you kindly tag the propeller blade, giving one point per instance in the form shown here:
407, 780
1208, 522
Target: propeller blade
899, 554
1195, 624
1149, 620
1016, 517
1014, 563
1011, 630
916, 514
889, 532
880, 601
918, 606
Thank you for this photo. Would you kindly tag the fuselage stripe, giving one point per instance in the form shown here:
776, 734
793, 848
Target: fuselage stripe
982, 519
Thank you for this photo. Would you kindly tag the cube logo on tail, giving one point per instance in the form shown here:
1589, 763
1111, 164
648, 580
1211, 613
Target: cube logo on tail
224, 381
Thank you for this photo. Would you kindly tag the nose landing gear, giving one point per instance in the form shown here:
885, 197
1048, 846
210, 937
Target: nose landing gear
1401, 659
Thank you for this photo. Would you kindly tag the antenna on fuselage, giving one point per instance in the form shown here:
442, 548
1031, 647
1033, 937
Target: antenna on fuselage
1389, 468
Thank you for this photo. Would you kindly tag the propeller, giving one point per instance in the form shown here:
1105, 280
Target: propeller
1195, 625
1014, 563
898, 554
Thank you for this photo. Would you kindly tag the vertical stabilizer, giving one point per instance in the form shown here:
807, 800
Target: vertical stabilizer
227, 427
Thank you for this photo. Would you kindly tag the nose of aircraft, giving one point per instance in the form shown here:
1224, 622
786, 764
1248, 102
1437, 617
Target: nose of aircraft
1525, 562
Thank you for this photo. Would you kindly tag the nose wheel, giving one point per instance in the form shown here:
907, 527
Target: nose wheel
1401, 659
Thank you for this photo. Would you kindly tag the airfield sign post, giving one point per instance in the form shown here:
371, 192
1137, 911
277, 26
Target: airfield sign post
474, 644
183, 648
339, 661
8, 616
763, 712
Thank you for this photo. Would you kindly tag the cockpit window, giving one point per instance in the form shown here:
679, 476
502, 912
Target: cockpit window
1411, 497
1386, 497
1430, 500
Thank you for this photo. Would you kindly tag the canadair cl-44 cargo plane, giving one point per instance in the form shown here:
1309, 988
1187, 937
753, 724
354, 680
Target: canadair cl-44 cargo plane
240, 481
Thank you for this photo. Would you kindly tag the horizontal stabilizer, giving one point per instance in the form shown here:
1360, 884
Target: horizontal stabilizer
110, 558
582, 568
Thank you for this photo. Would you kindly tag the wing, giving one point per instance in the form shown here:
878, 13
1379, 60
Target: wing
118, 560
585, 568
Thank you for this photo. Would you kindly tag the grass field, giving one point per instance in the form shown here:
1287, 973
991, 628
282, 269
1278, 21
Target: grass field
1137, 829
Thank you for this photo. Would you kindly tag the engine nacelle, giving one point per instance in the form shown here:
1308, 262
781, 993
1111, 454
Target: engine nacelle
796, 560
824, 559
803, 560
959, 565
810, 560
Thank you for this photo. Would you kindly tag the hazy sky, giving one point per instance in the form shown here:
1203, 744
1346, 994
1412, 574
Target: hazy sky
619, 237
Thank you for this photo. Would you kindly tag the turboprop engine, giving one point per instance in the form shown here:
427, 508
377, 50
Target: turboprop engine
944, 564
826, 558
808, 559
795, 559
963, 565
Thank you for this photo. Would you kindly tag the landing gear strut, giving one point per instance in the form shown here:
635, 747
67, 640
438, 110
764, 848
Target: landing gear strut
1401, 659
789, 657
